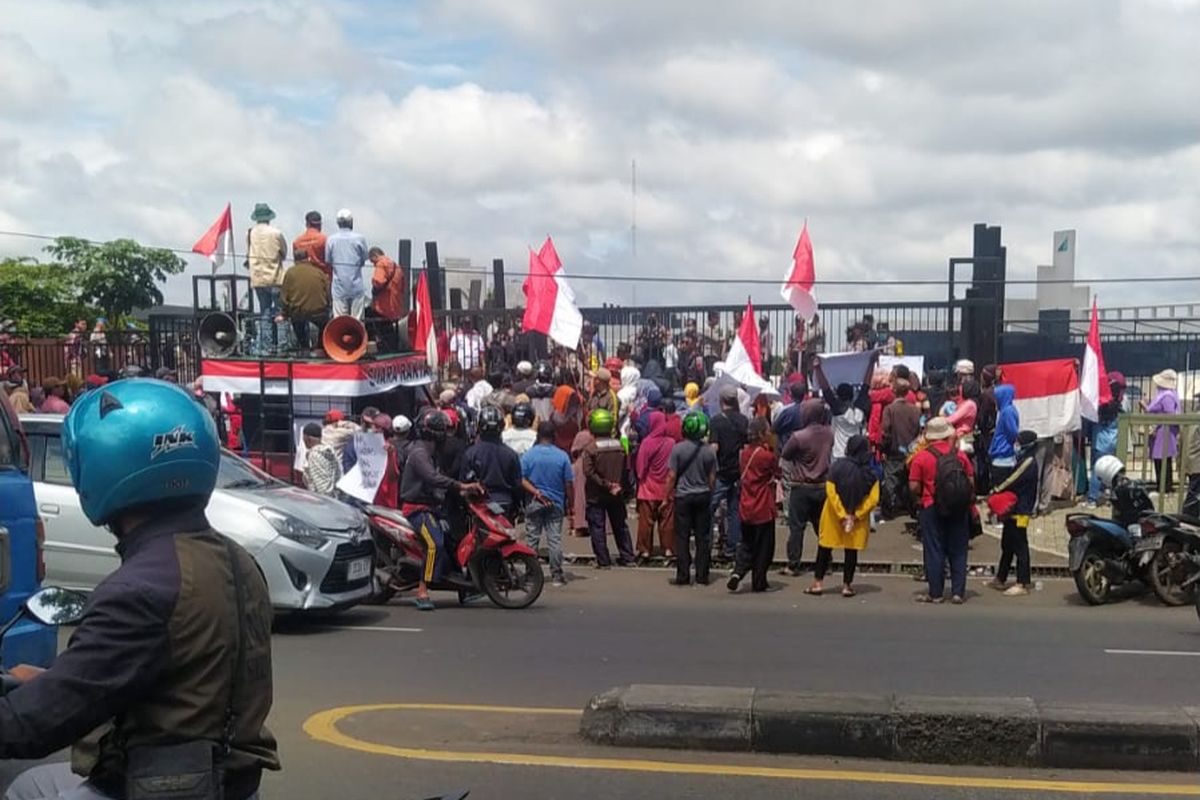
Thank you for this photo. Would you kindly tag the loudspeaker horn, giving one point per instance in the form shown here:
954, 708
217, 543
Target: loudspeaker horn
218, 335
345, 339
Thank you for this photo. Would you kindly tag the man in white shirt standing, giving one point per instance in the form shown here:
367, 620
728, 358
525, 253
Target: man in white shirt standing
466, 345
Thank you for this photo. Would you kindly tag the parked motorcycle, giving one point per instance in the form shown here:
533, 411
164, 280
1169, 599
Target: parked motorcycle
1106, 553
488, 559
1174, 569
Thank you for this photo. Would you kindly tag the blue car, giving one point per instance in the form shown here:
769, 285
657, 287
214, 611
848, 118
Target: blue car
21, 537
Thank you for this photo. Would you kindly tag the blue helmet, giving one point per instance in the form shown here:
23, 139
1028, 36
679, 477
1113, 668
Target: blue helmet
139, 441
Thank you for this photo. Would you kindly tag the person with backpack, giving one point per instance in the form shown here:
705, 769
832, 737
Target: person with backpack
692, 476
942, 477
1019, 493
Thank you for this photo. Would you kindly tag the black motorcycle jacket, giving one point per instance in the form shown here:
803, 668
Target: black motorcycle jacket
152, 662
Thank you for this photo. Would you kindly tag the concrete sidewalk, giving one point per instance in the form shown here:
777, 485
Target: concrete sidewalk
890, 548
981, 731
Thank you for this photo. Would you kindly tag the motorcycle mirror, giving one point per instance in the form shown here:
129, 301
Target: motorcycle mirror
54, 605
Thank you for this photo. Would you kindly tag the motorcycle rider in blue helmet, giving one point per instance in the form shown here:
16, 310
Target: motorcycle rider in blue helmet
169, 671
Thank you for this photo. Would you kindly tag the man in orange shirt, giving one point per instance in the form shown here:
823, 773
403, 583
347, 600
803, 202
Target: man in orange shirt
390, 293
312, 241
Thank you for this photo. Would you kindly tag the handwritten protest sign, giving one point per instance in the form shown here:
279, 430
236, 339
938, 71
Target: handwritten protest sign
363, 479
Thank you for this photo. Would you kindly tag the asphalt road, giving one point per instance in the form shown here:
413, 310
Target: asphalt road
603, 629
626, 626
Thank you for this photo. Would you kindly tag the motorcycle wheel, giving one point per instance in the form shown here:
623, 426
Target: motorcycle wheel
1168, 570
1090, 579
513, 582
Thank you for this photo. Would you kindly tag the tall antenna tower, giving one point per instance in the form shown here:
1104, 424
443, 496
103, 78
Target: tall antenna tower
633, 210
633, 218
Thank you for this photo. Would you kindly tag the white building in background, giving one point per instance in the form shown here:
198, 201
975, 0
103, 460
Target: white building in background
1062, 294
1021, 314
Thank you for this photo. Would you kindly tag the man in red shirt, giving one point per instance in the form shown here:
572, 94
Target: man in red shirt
760, 470
944, 518
389, 292
312, 241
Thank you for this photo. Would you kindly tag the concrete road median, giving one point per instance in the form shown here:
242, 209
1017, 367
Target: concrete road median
946, 730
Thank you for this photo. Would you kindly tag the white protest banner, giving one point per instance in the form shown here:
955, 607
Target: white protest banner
363, 479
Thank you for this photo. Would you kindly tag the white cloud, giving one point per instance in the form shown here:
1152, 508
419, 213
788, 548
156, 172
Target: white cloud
487, 124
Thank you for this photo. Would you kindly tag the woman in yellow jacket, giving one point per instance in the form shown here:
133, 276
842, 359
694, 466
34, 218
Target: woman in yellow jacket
850, 493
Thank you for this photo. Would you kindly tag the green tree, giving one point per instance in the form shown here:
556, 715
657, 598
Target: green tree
116, 276
40, 299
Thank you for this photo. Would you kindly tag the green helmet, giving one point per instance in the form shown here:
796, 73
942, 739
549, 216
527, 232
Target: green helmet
695, 426
600, 422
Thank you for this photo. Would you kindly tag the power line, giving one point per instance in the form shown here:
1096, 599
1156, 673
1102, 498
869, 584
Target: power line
583, 276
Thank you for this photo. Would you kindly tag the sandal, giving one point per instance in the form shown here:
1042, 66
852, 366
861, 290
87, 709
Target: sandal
924, 598
848, 592
815, 591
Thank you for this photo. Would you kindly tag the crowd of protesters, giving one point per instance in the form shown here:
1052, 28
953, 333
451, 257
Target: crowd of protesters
572, 440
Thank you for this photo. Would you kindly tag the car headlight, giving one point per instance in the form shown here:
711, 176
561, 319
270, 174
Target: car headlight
294, 529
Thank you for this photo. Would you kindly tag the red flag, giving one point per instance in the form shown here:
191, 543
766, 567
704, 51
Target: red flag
218, 239
798, 281
424, 338
745, 349
1094, 390
549, 301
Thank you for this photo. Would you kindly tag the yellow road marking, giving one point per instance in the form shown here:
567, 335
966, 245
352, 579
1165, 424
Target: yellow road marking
322, 727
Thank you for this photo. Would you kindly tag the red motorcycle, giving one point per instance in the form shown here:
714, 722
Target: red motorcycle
488, 558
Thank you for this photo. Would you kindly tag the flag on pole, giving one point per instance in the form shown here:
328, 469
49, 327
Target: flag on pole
745, 352
798, 281
217, 242
1094, 390
549, 301
424, 338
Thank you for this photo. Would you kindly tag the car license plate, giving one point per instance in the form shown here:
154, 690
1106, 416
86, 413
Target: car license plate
358, 569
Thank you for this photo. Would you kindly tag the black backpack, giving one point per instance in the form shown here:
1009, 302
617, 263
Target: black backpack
952, 489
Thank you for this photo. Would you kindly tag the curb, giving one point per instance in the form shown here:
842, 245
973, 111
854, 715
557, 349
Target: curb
979, 731
864, 567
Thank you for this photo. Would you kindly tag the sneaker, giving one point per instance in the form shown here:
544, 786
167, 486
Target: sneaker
957, 600
732, 583
1016, 591
558, 582
1090, 504
996, 584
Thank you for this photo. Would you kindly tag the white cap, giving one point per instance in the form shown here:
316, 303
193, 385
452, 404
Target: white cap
525, 368
344, 214
401, 424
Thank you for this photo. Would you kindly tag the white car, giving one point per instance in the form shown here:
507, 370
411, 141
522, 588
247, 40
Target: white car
315, 552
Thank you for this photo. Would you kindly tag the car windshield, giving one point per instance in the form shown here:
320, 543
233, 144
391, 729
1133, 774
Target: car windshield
236, 473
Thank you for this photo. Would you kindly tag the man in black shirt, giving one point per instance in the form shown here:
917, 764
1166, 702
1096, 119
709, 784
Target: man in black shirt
728, 435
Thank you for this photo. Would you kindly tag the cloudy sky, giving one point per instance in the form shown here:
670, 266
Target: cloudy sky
486, 124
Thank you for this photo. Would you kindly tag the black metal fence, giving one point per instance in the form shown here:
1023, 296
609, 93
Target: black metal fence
932, 329
169, 342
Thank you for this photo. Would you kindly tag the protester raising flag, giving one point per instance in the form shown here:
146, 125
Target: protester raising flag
424, 338
549, 301
217, 242
1094, 390
798, 281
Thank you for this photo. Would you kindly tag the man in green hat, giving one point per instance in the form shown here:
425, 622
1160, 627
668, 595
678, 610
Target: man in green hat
266, 248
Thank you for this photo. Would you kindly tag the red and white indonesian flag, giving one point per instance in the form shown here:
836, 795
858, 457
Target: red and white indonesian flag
743, 363
217, 242
424, 334
798, 281
549, 301
1046, 395
1094, 390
